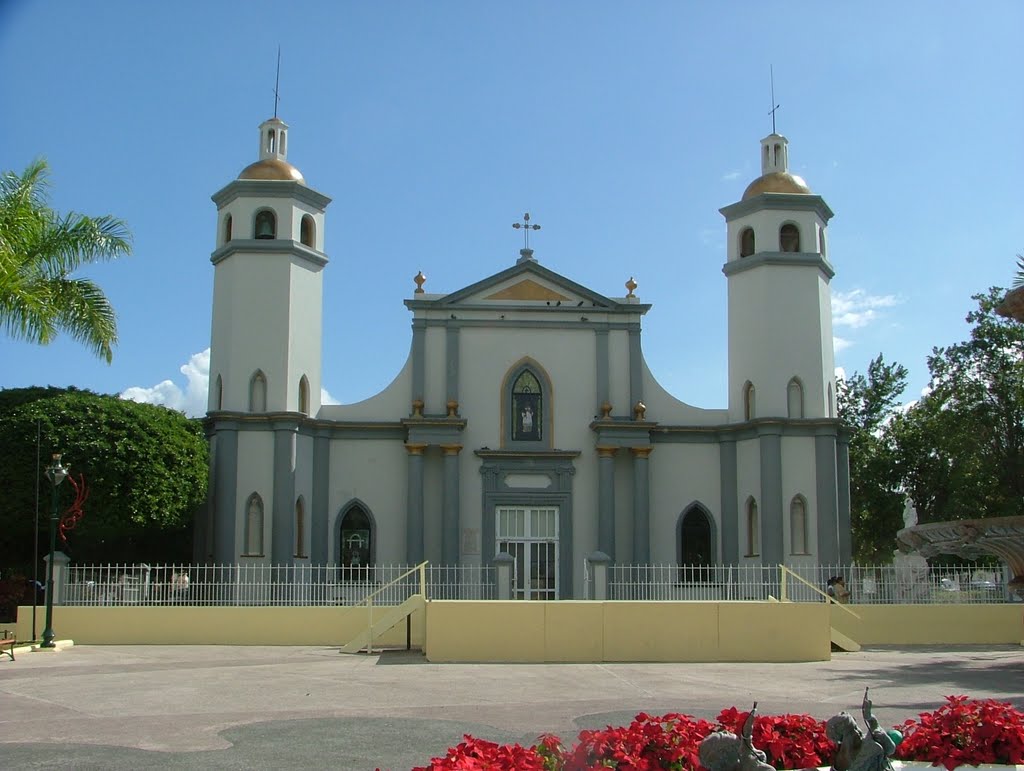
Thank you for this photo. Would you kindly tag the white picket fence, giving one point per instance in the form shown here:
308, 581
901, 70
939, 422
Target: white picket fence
269, 584
886, 584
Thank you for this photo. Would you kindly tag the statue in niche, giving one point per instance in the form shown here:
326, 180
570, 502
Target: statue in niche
527, 417
856, 751
725, 751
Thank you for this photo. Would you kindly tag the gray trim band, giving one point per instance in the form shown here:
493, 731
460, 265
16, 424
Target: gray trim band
270, 246
800, 259
269, 188
513, 323
451, 353
419, 358
602, 377
777, 202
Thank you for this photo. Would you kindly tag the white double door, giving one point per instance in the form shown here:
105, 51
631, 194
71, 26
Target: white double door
530, 535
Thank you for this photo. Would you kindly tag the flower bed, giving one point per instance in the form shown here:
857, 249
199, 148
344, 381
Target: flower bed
962, 732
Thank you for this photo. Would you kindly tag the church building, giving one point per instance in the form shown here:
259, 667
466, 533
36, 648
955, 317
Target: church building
525, 419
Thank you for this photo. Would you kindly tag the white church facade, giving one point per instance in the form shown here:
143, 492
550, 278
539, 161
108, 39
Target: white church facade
525, 419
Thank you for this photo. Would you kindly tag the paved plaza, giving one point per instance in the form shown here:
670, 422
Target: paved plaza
220, 707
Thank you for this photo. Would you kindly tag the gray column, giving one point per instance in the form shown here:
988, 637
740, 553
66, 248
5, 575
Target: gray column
414, 547
451, 370
827, 516
603, 389
843, 485
730, 503
772, 539
282, 533
320, 533
450, 525
225, 481
636, 360
641, 506
606, 501
419, 358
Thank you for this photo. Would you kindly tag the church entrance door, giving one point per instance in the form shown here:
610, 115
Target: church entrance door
530, 535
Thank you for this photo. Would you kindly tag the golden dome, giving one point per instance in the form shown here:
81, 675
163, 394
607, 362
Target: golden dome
776, 182
272, 168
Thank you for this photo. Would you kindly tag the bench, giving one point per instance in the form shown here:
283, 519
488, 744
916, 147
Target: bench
7, 645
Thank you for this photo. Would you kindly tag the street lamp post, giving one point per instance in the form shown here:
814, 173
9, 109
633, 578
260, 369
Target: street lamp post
55, 473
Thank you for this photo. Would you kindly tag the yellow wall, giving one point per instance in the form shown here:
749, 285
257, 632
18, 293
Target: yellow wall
571, 631
626, 631
183, 625
932, 624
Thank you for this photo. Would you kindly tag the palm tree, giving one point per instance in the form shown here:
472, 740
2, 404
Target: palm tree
40, 249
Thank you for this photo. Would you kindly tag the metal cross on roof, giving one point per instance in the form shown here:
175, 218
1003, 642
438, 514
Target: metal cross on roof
277, 82
527, 227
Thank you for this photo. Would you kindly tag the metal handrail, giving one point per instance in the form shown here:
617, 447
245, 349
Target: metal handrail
422, 568
801, 579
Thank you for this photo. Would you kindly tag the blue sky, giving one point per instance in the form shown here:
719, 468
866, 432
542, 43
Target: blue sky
622, 128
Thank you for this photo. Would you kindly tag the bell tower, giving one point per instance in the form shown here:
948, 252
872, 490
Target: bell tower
781, 360
266, 342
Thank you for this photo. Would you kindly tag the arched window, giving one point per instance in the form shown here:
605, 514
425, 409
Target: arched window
355, 543
753, 529
831, 413
300, 528
798, 525
527, 409
303, 395
271, 140
227, 228
749, 411
777, 148
254, 526
218, 394
265, 225
307, 231
696, 544
821, 241
795, 398
746, 242
789, 238
258, 392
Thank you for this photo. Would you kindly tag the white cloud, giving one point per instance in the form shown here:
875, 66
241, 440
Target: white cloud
191, 400
840, 372
731, 175
326, 398
857, 308
840, 344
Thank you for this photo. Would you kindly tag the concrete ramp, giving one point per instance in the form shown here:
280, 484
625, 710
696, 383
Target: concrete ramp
394, 615
842, 641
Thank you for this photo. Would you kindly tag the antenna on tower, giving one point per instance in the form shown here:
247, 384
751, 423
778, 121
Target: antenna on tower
277, 81
774, 106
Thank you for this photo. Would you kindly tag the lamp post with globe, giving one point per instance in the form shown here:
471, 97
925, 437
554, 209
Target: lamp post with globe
56, 474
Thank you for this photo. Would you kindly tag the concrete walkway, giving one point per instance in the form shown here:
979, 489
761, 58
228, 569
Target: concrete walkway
210, 707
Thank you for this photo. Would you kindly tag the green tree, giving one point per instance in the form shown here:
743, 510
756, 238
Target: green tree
40, 249
960, 449
146, 468
867, 405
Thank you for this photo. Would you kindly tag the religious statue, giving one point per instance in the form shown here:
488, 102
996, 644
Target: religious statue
528, 419
909, 512
725, 751
855, 751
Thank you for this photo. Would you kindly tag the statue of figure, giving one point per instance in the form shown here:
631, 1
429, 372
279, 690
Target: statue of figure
725, 751
909, 512
855, 751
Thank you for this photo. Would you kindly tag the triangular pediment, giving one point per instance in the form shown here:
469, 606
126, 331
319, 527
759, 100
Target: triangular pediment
527, 289
526, 285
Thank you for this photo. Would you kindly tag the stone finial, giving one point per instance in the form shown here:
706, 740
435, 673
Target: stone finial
606, 410
639, 411
631, 285
417, 408
420, 280
453, 408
